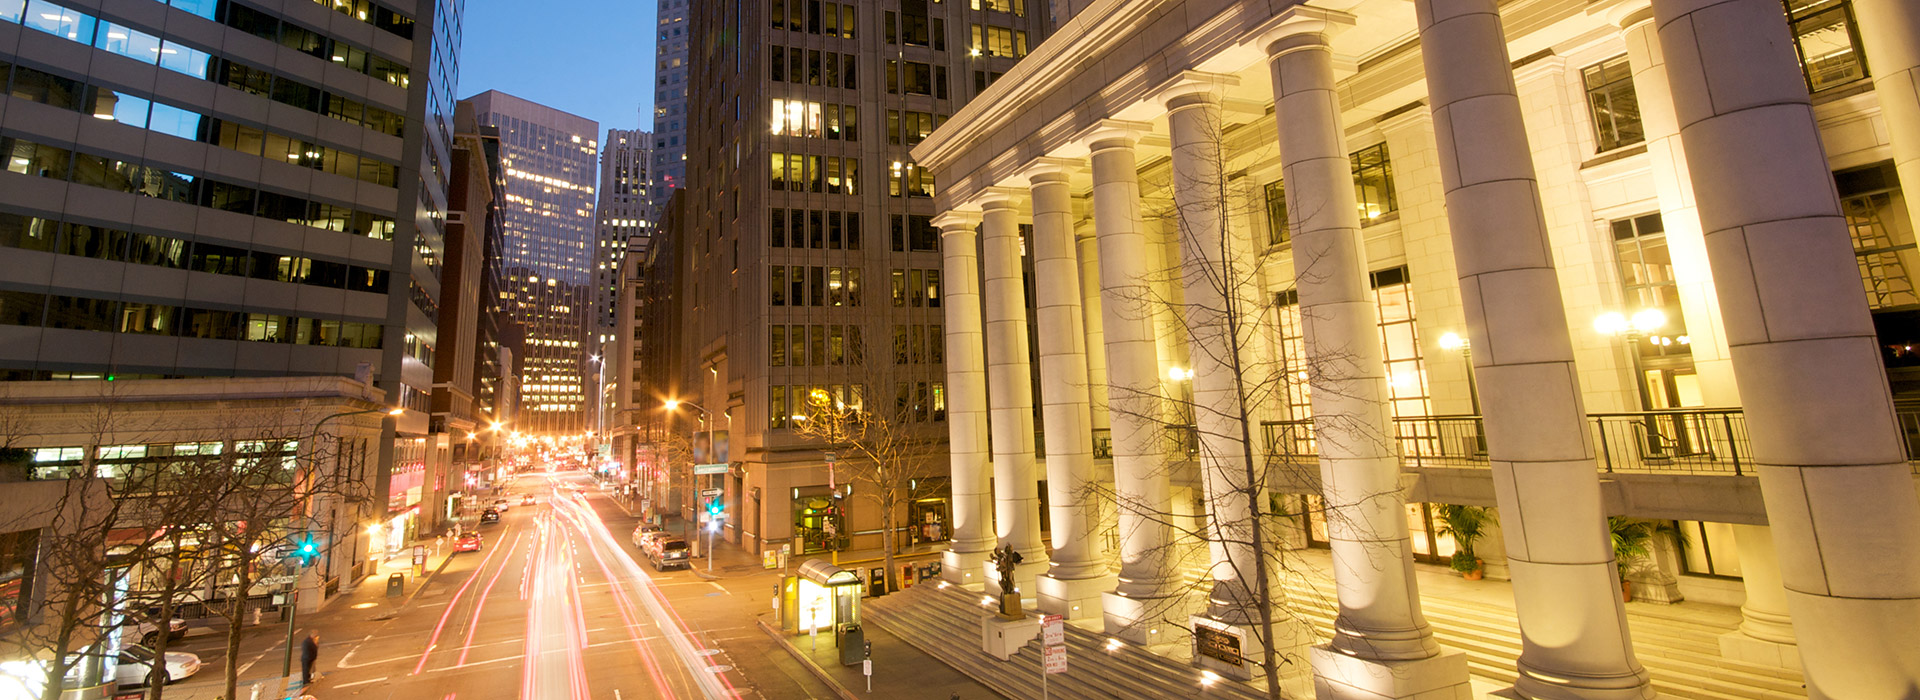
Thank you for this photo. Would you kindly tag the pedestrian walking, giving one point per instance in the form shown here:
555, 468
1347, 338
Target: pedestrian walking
309, 652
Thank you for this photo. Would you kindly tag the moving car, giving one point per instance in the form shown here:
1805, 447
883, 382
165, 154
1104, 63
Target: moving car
469, 542
490, 515
501, 505
668, 552
527, 500
136, 665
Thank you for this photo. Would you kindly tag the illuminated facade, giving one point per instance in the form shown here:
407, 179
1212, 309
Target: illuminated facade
548, 161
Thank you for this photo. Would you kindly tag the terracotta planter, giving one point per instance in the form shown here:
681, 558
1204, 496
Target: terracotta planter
1626, 591
1479, 571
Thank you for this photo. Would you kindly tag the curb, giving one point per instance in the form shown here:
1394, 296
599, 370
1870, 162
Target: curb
808, 662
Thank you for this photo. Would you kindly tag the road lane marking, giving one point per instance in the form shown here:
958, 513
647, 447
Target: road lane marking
338, 686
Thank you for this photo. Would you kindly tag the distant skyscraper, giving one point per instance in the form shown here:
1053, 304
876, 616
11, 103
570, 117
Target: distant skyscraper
626, 220
625, 212
548, 159
670, 104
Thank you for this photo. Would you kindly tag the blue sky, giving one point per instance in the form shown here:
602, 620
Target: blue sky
593, 58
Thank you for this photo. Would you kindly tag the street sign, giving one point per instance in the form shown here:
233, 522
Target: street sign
705, 469
1052, 632
712, 492
1056, 659
830, 457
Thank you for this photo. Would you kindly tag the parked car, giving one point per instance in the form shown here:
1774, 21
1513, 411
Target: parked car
644, 533
668, 552
490, 515
147, 630
136, 666
469, 542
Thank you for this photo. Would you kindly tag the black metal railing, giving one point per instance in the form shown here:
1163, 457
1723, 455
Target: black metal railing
1183, 439
1441, 441
1687, 441
1103, 443
1291, 439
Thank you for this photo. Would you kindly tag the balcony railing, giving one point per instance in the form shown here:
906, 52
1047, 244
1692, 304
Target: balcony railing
1683, 441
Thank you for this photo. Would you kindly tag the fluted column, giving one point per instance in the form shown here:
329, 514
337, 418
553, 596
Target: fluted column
1828, 449
1766, 632
971, 475
1221, 309
1573, 627
1016, 485
1890, 37
1142, 492
1074, 584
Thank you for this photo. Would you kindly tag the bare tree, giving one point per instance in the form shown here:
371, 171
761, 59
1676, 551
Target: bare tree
889, 452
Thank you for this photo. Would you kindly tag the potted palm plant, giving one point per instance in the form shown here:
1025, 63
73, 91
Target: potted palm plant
1466, 525
1632, 543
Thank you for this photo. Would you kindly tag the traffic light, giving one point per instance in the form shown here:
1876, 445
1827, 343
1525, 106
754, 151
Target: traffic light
716, 509
307, 551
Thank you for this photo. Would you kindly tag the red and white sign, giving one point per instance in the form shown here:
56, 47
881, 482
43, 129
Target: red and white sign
1052, 632
1055, 658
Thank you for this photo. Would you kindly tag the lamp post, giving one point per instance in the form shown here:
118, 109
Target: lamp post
712, 449
293, 596
1643, 323
1453, 342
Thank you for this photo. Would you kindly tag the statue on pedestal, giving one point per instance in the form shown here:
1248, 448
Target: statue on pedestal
1006, 560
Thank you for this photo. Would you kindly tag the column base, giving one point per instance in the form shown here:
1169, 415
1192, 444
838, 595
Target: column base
1023, 576
1740, 646
962, 568
1003, 638
1074, 598
1337, 676
1144, 621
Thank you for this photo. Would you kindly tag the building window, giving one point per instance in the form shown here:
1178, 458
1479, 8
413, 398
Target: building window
1883, 241
1709, 549
1828, 42
777, 414
1662, 359
1373, 183
1276, 213
1612, 104
777, 347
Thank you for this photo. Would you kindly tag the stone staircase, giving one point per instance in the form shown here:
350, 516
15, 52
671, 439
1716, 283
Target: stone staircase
945, 623
1679, 645
1682, 651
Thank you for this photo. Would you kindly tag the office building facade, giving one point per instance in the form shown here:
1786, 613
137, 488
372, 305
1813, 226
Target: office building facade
548, 159
811, 268
670, 92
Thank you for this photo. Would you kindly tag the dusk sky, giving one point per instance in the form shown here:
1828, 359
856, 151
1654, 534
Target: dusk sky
593, 58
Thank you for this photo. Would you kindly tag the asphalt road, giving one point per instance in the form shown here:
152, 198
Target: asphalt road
557, 605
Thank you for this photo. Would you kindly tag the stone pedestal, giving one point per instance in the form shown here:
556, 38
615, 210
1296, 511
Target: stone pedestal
1003, 638
1337, 676
1075, 598
1144, 621
963, 568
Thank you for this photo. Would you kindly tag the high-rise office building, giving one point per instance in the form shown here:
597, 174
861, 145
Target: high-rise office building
626, 218
548, 160
670, 102
812, 268
200, 189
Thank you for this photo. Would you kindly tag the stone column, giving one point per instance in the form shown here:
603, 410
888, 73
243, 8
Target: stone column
966, 558
1080, 570
1143, 606
1832, 468
1220, 313
1765, 635
1573, 626
1890, 37
1016, 485
1380, 632
1089, 248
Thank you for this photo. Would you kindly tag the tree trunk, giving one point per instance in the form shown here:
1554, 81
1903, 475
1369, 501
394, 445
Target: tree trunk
891, 576
237, 610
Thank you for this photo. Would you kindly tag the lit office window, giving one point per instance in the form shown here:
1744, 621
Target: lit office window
1828, 42
1612, 104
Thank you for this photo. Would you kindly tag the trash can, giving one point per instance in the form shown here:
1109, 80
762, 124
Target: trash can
396, 585
853, 643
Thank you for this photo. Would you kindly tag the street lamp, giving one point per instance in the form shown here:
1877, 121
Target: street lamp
1641, 324
1454, 342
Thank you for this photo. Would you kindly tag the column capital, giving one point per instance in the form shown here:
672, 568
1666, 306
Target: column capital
1301, 25
1110, 133
1622, 13
999, 197
1192, 87
957, 221
1051, 169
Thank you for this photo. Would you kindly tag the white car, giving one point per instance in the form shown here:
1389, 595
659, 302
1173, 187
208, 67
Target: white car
147, 632
501, 505
136, 663
644, 533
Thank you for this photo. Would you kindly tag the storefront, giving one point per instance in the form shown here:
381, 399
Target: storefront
819, 520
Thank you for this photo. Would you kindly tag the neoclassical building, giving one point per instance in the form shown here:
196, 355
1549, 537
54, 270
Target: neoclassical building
1570, 259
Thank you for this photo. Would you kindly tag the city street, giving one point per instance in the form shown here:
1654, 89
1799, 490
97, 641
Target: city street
556, 604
